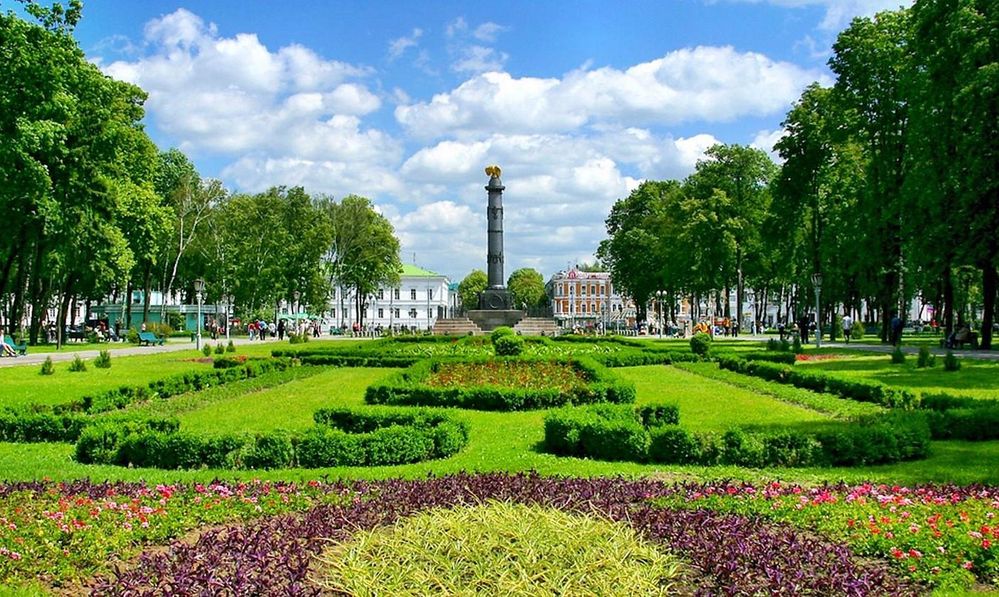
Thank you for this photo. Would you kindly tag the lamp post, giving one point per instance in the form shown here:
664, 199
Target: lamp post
199, 287
817, 283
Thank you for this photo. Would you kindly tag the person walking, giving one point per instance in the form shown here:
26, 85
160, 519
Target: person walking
896, 329
847, 327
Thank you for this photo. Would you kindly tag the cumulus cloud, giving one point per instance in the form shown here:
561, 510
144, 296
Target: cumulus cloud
233, 94
766, 140
712, 84
474, 57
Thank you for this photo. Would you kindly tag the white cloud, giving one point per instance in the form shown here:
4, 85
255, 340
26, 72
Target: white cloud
479, 59
839, 13
766, 140
713, 84
398, 46
233, 94
487, 32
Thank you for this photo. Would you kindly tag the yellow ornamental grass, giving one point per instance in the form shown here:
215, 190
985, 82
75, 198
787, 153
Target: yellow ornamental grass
498, 549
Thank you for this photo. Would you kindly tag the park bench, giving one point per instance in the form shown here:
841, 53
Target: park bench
149, 338
960, 340
18, 348
76, 333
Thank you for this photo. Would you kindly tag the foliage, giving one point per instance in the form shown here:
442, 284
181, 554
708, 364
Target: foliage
230, 347
103, 360
47, 367
527, 287
951, 362
206, 350
509, 345
219, 349
499, 548
470, 287
77, 365
796, 347
925, 358
501, 331
897, 356
700, 344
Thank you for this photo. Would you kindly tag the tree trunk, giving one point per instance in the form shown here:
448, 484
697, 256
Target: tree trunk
147, 282
948, 300
127, 313
989, 280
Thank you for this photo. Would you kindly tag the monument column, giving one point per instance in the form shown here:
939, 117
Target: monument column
494, 219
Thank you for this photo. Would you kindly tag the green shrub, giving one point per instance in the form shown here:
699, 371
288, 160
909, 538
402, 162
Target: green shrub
103, 360
857, 332
500, 332
778, 345
326, 447
219, 349
700, 344
47, 367
657, 415
271, 450
897, 356
132, 335
786, 358
951, 362
398, 445
925, 358
231, 347
742, 449
77, 365
796, 347
206, 350
671, 444
508, 345
615, 440
969, 424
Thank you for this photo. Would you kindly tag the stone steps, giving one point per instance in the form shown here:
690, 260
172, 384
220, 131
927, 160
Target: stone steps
456, 326
537, 326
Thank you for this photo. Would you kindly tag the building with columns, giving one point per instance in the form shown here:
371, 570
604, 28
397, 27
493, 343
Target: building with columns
421, 297
588, 300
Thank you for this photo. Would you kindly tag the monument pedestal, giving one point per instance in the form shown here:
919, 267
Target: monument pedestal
489, 320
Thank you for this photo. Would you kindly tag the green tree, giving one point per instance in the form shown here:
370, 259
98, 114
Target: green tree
470, 287
528, 287
363, 253
871, 63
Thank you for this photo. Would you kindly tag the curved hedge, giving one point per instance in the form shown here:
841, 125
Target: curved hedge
408, 387
864, 391
609, 432
341, 437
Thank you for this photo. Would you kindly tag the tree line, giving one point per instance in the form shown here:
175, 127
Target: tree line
887, 187
93, 210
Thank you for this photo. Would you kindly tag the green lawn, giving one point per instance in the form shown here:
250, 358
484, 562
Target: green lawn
507, 441
975, 378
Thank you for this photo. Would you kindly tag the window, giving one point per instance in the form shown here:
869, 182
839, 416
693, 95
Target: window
381, 313
412, 312
430, 313
381, 294
430, 294
333, 313
333, 294
397, 310
412, 294
396, 295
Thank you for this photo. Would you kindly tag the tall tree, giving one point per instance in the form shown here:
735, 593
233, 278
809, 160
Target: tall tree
871, 62
528, 287
470, 287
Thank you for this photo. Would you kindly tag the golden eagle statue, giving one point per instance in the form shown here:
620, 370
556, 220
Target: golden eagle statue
493, 171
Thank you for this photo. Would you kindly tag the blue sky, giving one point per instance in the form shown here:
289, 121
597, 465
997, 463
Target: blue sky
407, 102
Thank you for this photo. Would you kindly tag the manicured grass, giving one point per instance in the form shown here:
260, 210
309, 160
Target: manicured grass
976, 378
23, 385
709, 405
508, 441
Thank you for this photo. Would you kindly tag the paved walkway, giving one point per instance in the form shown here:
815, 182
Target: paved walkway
38, 358
982, 355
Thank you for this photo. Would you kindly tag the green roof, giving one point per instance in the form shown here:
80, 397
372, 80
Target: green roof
412, 270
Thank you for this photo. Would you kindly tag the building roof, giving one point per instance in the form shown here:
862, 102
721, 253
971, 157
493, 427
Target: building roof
411, 270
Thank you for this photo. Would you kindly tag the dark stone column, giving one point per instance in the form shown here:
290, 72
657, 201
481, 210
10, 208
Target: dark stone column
494, 219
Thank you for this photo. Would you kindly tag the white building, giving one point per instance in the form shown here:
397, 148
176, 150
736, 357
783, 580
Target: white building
416, 303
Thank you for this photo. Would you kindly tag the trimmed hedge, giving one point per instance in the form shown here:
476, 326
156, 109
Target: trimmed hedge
787, 358
26, 426
863, 391
408, 388
610, 432
359, 360
970, 424
342, 437
630, 358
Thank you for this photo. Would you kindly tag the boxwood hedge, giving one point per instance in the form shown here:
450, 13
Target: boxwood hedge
409, 387
341, 437
611, 432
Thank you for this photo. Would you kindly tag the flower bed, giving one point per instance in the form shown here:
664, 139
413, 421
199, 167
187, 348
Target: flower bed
728, 553
501, 384
528, 375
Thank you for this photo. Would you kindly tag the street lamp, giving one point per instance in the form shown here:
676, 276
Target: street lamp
817, 283
199, 287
